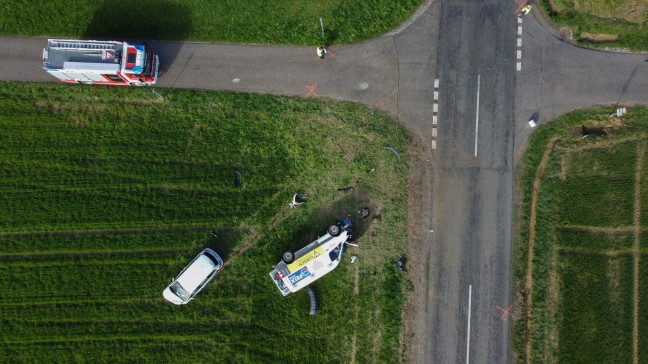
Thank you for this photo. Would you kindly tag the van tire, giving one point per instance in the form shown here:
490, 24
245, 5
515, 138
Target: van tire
334, 230
288, 257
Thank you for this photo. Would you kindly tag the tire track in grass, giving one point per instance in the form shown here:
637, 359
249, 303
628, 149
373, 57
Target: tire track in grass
528, 281
636, 254
356, 290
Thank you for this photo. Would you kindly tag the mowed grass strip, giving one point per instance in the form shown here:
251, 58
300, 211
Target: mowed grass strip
250, 21
108, 193
582, 267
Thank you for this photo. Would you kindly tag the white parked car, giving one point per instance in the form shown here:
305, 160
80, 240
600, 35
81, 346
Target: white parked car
193, 278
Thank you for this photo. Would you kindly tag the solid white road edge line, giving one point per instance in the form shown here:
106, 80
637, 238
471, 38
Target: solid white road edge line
468, 334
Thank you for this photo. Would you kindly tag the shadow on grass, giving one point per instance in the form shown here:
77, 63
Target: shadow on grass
143, 20
349, 206
224, 240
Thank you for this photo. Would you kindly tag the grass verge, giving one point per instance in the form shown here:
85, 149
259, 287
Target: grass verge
250, 21
109, 192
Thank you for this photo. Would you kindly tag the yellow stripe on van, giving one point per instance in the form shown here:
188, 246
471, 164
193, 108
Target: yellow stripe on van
297, 264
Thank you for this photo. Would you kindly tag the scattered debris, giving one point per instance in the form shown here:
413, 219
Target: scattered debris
393, 151
372, 170
401, 264
431, 230
213, 234
297, 200
364, 213
313, 299
353, 258
620, 112
237, 179
346, 189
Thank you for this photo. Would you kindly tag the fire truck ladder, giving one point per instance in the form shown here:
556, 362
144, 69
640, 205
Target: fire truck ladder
80, 45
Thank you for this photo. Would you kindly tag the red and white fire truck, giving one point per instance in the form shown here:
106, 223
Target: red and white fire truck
99, 62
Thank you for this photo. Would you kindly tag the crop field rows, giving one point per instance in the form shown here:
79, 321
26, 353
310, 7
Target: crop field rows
591, 248
108, 193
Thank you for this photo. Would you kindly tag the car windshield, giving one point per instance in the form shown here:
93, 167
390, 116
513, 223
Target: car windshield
177, 289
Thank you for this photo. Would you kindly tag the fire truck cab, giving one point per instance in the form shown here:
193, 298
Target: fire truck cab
101, 62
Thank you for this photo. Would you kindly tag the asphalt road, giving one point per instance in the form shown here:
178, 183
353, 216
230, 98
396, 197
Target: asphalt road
472, 204
462, 184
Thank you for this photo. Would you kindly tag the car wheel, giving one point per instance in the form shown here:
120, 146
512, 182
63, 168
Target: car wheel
334, 230
288, 257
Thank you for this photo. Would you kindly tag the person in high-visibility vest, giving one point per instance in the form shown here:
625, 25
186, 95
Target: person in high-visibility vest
321, 52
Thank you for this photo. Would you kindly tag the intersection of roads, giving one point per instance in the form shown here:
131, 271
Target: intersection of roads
464, 77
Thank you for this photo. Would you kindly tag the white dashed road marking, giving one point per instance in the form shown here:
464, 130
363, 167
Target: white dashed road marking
435, 110
518, 65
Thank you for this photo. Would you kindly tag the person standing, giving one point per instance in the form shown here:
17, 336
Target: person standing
321, 51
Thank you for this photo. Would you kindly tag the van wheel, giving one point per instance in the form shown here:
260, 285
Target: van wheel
288, 257
334, 230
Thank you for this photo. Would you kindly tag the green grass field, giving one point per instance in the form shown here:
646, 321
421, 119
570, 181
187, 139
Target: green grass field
624, 20
250, 21
108, 193
582, 307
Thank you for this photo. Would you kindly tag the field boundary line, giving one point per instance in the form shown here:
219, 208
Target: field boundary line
528, 282
635, 254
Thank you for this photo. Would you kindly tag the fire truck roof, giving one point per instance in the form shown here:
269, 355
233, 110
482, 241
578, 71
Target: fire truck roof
60, 52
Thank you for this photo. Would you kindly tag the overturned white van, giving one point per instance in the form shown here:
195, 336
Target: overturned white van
298, 270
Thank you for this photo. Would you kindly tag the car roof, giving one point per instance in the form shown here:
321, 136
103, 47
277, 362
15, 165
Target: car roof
196, 273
